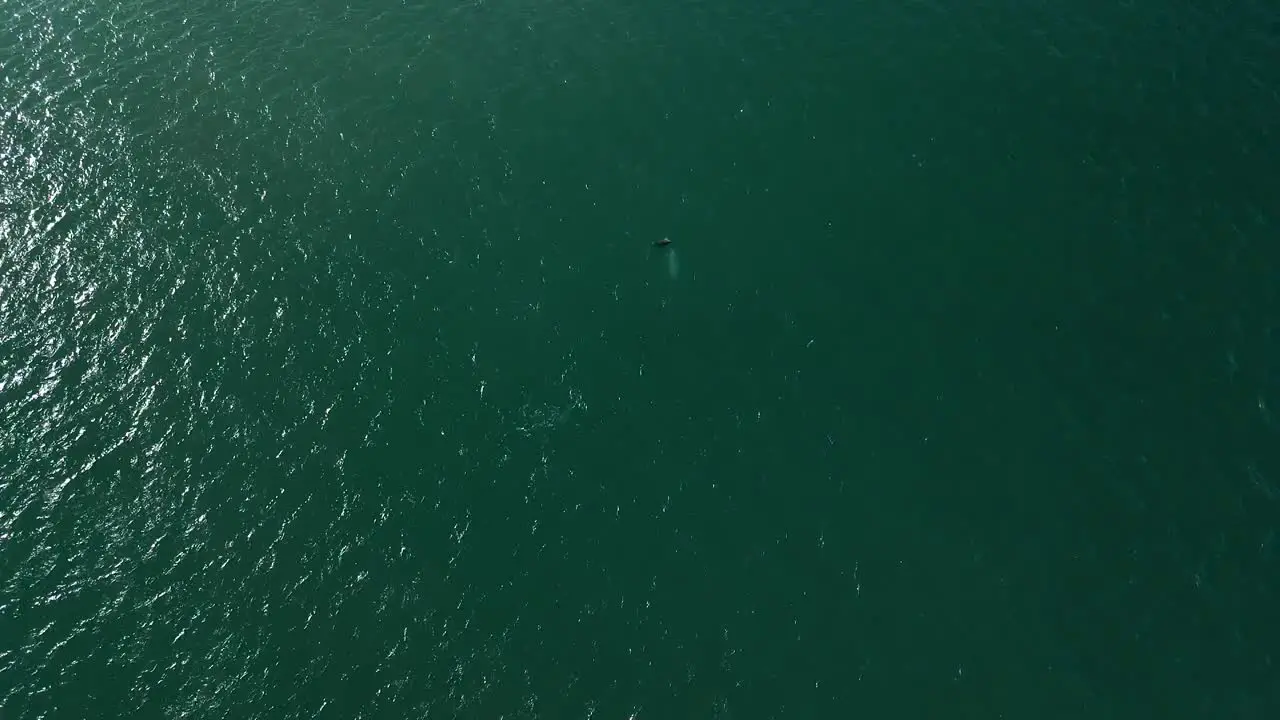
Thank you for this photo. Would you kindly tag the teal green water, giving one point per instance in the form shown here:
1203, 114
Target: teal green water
339, 377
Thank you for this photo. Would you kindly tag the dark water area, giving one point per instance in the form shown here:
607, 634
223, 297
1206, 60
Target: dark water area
340, 376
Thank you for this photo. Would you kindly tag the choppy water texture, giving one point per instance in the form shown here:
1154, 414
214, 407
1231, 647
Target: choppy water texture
340, 378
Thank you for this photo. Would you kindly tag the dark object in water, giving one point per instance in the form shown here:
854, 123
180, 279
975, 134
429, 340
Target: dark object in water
662, 243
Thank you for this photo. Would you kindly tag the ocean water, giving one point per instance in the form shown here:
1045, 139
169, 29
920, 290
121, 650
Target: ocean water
340, 376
